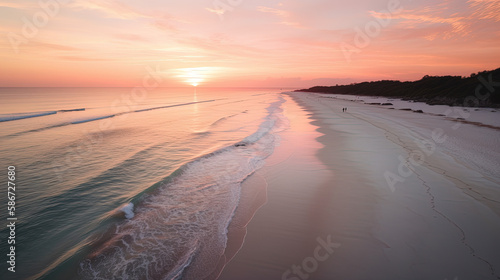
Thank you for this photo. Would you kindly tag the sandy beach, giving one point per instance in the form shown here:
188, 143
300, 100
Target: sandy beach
373, 193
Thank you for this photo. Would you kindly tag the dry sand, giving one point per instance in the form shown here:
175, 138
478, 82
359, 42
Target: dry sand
332, 214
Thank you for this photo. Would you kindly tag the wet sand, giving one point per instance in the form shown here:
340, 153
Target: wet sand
373, 193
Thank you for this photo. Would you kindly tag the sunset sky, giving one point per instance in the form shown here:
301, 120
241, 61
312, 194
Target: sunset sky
285, 43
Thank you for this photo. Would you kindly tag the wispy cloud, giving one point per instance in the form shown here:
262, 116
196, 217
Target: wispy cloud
438, 15
16, 4
446, 22
82, 58
44, 46
458, 25
485, 9
280, 13
285, 16
219, 12
110, 8
131, 37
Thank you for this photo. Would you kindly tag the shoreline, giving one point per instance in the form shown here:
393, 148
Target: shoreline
275, 236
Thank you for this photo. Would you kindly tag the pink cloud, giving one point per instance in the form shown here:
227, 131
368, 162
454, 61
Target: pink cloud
285, 16
110, 8
485, 9
445, 23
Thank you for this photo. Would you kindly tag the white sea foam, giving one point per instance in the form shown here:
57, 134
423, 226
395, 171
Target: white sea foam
128, 210
180, 229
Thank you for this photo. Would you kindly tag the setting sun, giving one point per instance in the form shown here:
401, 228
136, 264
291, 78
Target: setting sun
195, 76
191, 76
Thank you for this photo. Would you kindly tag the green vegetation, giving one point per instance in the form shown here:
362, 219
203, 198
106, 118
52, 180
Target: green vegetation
434, 90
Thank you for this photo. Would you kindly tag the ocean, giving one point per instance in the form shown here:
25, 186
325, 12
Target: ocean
115, 183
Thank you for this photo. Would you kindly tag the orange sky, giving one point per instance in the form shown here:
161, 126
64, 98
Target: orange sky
287, 43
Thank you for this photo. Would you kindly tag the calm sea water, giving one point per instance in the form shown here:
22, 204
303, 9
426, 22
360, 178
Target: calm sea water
116, 184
